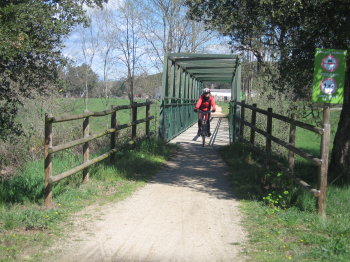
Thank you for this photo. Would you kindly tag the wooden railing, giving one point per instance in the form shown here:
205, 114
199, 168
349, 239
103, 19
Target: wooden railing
322, 162
49, 149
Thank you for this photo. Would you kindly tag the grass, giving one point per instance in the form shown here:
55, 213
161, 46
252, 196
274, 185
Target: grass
26, 228
280, 217
309, 141
224, 106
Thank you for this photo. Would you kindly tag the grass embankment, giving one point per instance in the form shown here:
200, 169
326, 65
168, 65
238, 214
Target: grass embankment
280, 217
26, 228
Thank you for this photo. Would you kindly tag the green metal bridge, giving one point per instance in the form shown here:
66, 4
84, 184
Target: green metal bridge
184, 76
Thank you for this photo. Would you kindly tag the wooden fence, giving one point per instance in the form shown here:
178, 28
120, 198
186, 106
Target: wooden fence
324, 132
49, 149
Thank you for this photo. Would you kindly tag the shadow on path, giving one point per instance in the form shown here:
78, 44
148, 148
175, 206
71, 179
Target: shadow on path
196, 167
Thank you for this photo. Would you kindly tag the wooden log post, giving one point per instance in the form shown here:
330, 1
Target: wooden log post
113, 135
323, 170
269, 132
48, 162
241, 128
291, 158
86, 150
252, 131
148, 107
134, 118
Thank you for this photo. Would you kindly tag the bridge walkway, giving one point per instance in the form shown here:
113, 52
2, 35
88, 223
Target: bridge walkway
219, 127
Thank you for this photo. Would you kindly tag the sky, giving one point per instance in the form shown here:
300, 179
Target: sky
74, 51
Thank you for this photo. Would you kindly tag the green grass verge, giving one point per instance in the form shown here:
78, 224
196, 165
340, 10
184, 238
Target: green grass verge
281, 218
25, 227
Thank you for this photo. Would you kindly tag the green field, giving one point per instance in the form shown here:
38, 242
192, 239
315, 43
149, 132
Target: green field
98, 124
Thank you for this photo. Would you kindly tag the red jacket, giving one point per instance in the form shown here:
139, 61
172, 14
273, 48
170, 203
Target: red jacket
205, 104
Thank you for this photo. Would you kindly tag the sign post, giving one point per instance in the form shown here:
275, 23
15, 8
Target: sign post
329, 74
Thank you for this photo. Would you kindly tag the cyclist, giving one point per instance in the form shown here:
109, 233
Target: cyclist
205, 102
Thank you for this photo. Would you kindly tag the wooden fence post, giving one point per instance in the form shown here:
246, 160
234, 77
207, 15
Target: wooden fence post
269, 131
241, 128
48, 163
323, 171
86, 151
134, 118
291, 159
252, 131
147, 116
113, 135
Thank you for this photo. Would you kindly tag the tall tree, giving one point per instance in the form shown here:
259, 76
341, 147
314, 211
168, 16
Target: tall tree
166, 29
108, 44
129, 50
31, 35
289, 31
89, 46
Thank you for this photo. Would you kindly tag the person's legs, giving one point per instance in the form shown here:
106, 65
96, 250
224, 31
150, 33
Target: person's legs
208, 125
199, 127
199, 124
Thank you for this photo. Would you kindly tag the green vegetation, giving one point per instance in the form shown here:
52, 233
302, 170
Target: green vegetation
98, 124
23, 221
225, 106
28, 146
280, 217
32, 34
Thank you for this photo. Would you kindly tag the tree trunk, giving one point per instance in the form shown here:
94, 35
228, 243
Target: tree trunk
340, 160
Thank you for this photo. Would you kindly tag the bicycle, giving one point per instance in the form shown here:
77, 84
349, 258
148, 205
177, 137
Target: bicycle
204, 125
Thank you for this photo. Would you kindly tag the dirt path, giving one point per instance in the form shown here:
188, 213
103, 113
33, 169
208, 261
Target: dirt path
187, 213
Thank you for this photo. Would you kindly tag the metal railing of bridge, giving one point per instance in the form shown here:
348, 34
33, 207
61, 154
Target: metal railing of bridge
184, 76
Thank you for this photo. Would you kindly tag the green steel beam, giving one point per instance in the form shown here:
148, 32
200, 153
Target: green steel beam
216, 81
213, 75
165, 78
172, 80
179, 82
205, 63
201, 59
191, 55
215, 67
213, 70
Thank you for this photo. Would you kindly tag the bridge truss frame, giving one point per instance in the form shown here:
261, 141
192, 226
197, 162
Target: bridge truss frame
184, 76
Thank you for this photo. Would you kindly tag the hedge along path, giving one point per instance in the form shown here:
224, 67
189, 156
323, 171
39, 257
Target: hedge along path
186, 213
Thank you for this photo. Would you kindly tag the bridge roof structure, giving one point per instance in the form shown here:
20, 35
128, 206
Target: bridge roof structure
207, 67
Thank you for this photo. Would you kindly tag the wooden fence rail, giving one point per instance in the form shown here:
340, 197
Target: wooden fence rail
321, 162
87, 137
